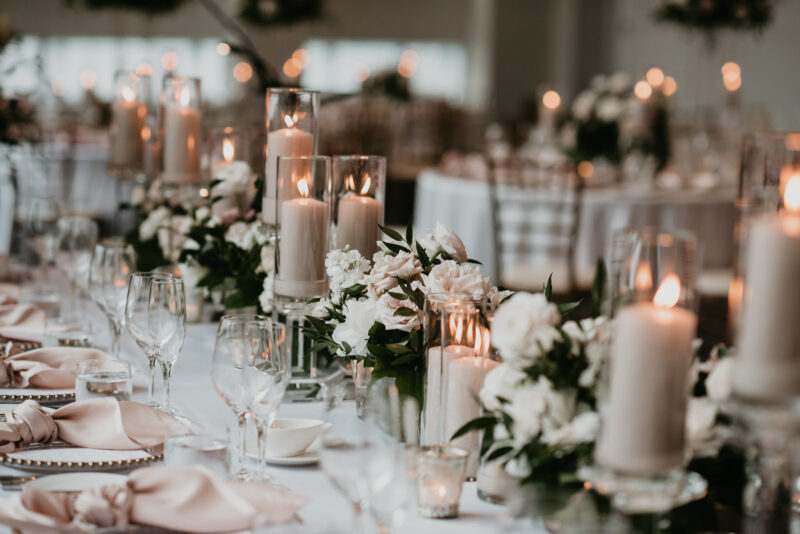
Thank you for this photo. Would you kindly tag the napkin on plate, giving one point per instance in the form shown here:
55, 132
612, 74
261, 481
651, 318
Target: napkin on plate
22, 322
184, 498
9, 293
49, 368
103, 423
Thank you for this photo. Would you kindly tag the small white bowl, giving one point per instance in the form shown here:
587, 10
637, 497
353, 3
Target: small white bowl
290, 437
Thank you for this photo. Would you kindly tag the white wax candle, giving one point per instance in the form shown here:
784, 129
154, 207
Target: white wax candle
643, 430
464, 382
182, 145
284, 142
125, 143
357, 225
438, 361
768, 362
303, 246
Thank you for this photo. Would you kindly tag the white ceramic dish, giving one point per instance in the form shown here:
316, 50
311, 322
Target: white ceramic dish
288, 438
76, 481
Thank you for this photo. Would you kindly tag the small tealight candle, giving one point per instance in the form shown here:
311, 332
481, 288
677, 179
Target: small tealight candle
440, 478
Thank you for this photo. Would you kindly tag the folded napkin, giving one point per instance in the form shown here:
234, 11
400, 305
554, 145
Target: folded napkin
9, 293
103, 423
185, 498
23, 322
50, 368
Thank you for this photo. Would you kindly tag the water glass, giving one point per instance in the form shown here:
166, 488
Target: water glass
44, 297
103, 378
64, 332
206, 446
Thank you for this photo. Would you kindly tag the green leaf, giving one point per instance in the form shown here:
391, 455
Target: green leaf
548, 288
398, 296
598, 287
423, 257
395, 247
409, 233
391, 233
404, 312
397, 348
481, 423
568, 306
476, 262
404, 359
498, 452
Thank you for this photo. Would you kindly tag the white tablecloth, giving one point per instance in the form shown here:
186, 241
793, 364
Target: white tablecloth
194, 396
464, 206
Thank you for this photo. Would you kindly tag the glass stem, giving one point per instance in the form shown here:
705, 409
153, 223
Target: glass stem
151, 387
261, 431
116, 332
166, 370
242, 421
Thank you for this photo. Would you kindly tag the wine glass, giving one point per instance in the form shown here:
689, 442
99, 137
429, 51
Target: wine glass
241, 340
137, 313
40, 228
111, 265
77, 236
274, 370
166, 323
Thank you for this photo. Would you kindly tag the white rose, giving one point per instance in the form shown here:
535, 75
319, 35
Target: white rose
518, 467
266, 297
719, 383
157, 218
192, 274
386, 267
609, 109
359, 318
235, 177
201, 213
528, 404
523, 327
701, 414
495, 297
582, 429
499, 383
444, 238
450, 277
239, 234
172, 235
385, 309
583, 105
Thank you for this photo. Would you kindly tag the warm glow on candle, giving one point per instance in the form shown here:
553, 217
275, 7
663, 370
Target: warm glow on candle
456, 327
643, 281
184, 98
551, 100
365, 187
351, 183
127, 94
290, 120
302, 186
791, 194
227, 150
669, 292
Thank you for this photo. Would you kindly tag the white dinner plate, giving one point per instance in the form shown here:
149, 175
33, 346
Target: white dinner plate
76, 481
75, 459
309, 457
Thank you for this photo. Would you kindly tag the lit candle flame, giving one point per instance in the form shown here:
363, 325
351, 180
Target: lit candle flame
365, 187
290, 120
456, 327
669, 292
227, 149
351, 184
791, 194
185, 97
302, 186
127, 94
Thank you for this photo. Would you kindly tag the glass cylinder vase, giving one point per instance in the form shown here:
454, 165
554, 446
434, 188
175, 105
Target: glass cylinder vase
182, 109
292, 124
232, 177
359, 183
127, 132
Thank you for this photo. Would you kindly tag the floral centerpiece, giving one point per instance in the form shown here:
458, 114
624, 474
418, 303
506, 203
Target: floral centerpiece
711, 15
374, 310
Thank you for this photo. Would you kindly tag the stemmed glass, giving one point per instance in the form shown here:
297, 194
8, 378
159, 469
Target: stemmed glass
77, 236
166, 324
137, 315
111, 265
274, 370
242, 339
40, 227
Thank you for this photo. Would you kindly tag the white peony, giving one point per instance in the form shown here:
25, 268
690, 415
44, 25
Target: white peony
445, 239
500, 383
266, 297
359, 318
386, 268
172, 235
583, 105
450, 277
495, 297
242, 235
701, 414
523, 327
527, 405
385, 309
191, 275
583, 428
155, 220
719, 383
235, 177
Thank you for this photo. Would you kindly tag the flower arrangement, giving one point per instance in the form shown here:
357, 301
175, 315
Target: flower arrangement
607, 121
374, 310
711, 15
541, 403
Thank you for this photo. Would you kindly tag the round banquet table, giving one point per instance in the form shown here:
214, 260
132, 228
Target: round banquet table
464, 206
193, 395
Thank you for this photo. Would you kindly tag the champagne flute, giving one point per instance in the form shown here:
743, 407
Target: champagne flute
241, 339
137, 308
77, 236
111, 265
274, 370
166, 323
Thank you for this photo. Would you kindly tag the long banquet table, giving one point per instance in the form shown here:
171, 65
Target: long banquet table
194, 396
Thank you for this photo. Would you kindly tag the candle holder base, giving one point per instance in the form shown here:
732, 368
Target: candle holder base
634, 494
304, 384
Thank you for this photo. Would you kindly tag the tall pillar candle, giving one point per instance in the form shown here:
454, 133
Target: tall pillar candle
182, 145
436, 374
126, 143
302, 248
357, 224
464, 382
643, 429
768, 362
284, 142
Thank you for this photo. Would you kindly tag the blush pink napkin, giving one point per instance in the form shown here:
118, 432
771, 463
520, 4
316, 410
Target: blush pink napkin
50, 368
186, 498
9, 293
23, 322
94, 423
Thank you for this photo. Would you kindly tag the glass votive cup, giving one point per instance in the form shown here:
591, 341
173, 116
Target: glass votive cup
440, 478
203, 445
44, 297
64, 332
103, 378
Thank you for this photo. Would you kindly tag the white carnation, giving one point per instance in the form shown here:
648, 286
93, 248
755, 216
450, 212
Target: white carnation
345, 268
240, 235
266, 297
359, 318
155, 220
385, 309
523, 327
450, 277
443, 238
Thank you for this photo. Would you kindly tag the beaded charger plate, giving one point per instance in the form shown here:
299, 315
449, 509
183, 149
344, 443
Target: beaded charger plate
42, 396
62, 457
